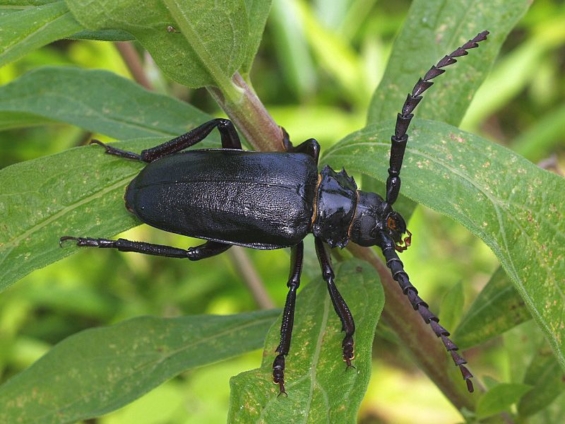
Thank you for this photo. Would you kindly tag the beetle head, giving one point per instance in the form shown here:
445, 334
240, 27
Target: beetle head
373, 216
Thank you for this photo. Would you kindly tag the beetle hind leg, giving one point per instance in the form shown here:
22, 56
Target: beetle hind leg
207, 250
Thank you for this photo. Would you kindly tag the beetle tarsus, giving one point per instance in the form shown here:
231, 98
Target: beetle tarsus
340, 307
278, 373
348, 350
64, 239
110, 150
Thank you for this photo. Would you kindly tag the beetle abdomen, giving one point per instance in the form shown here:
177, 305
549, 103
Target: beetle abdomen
262, 200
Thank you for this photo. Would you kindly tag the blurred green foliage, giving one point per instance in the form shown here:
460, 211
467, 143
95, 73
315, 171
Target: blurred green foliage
317, 67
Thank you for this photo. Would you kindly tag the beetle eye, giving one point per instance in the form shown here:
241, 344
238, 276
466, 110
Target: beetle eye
395, 225
391, 224
397, 228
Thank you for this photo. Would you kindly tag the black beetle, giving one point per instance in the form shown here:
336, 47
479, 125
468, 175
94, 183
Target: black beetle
260, 200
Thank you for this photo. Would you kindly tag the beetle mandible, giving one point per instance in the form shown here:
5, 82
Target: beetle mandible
229, 196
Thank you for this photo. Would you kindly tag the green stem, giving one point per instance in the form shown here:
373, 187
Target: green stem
250, 116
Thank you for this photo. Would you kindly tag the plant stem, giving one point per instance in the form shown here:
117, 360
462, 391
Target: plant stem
133, 63
246, 269
250, 117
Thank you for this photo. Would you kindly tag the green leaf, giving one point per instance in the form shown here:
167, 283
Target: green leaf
97, 101
46, 198
451, 306
294, 60
258, 12
511, 204
108, 35
79, 191
497, 309
514, 73
97, 371
33, 27
319, 387
548, 382
433, 29
207, 45
337, 57
499, 398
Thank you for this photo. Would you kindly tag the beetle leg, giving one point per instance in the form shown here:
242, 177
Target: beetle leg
206, 250
396, 267
297, 254
230, 140
310, 147
111, 150
341, 308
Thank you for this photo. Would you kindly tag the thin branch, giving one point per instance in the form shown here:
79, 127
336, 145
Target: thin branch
133, 63
245, 268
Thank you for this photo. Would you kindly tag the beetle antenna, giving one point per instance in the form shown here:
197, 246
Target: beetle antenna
396, 267
400, 137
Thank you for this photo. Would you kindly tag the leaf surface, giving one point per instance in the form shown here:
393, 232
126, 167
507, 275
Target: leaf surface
196, 43
79, 191
98, 101
320, 388
25, 30
99, 370
433, 29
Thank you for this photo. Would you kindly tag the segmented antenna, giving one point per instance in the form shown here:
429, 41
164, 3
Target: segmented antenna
400, 137
399, 140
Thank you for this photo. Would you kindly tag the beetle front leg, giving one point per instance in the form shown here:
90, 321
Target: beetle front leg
311, 146
230, 140
206, 250
341, 308
297, 255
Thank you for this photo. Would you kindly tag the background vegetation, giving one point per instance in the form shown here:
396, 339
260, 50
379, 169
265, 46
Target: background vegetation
316, 70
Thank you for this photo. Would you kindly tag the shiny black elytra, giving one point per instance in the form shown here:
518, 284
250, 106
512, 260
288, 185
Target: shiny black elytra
260, 200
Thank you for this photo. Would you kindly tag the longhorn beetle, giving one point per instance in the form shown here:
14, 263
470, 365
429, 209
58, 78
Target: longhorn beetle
229, 196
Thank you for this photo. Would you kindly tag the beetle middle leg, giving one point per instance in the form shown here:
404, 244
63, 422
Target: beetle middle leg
341, 308
228, 133
206, 250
